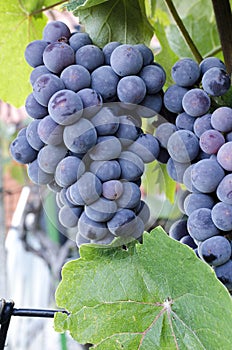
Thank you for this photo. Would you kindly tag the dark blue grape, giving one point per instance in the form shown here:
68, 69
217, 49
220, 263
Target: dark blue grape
163, 133
130, 197
196, 102
224, 156
202, 124
152, 105
216, 81
80, 137
21, 151
187, 180
215, 250
131, 89
183, 146
49, 156
90, 56
77, 40
50, 132
189, 241
222, 216
55, 30
224, 189
65, 107
45, 86
221, 119
206, 174
112, 189
104, 80
86, 190
132, 166
108, 49
211, 141
173, 97
34, 109
185, 72
69, 170
57, 56
106, 148
33, 136
123, 223
143, 212
224, 274
178, 229
126, 60
37, 72
200, 224
76, 77
69, 216
127, 131
90, 229
146, 146
146, 52
106, 170
210, 62
92, 101
176, 170
185, 121
34, 52
37, 175
195, 201
154, 78
105, 122
101, 210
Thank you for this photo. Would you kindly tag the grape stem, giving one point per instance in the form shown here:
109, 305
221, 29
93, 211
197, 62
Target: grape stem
223, 15
43, 9
183, 30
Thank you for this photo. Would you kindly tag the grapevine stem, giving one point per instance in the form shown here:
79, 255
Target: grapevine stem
43, 9
183, 30
223, 15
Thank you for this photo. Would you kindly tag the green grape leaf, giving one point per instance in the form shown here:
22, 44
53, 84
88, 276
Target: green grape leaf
116, 20
157, 295
75, 5
23, 22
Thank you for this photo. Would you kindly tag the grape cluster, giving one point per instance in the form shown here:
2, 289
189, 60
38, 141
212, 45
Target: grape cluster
199, 145
85, 140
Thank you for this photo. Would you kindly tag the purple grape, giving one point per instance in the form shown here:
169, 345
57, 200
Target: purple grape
215, 250
76, 77
200, 224
224, 156
185, 72
126, 60
34, 52
211, 141
77, 40
45, 86
57, 56
173, 97
221, 119
216, 81
90, 57
224, 189
183, 146
196, 102
202, 124
131, 89
50, 132
154, 78
55, 30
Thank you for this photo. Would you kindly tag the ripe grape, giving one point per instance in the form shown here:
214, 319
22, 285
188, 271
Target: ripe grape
126, 60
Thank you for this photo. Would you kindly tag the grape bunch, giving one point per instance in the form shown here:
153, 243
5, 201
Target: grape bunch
199, 145
84, 139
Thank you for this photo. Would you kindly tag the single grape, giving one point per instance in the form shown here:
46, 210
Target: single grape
45, 86
185, 72
221, 119
34, 109
178, 229
123, 223
37, 175
106, 170
76, 77
224, 156
33, 136
163, 133
146, 146
215, 250
90, 56
127, 131
92, 101
152, 105
211, 141
106, 148
86, 190
143, 212
104, 80
195, 201
210, 62
196, 102
189, 241
224, 189
130, 197
224, 274
146, 52
222, 216
34, 52
101, 210
69, 170
187, 179
131, 89
202, 124
80, 137
37, 72
126, 60
50, 132
21, 151
57, 56
49, 156
206, 175
132, 166
112, 189
69, 217
55, 30
183, 146
90, 229
185, 121
108, 49
200, 224
105, 122
65, 107
173, 97
78, 40
81, 240
176, 170
154, 78
216, 81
